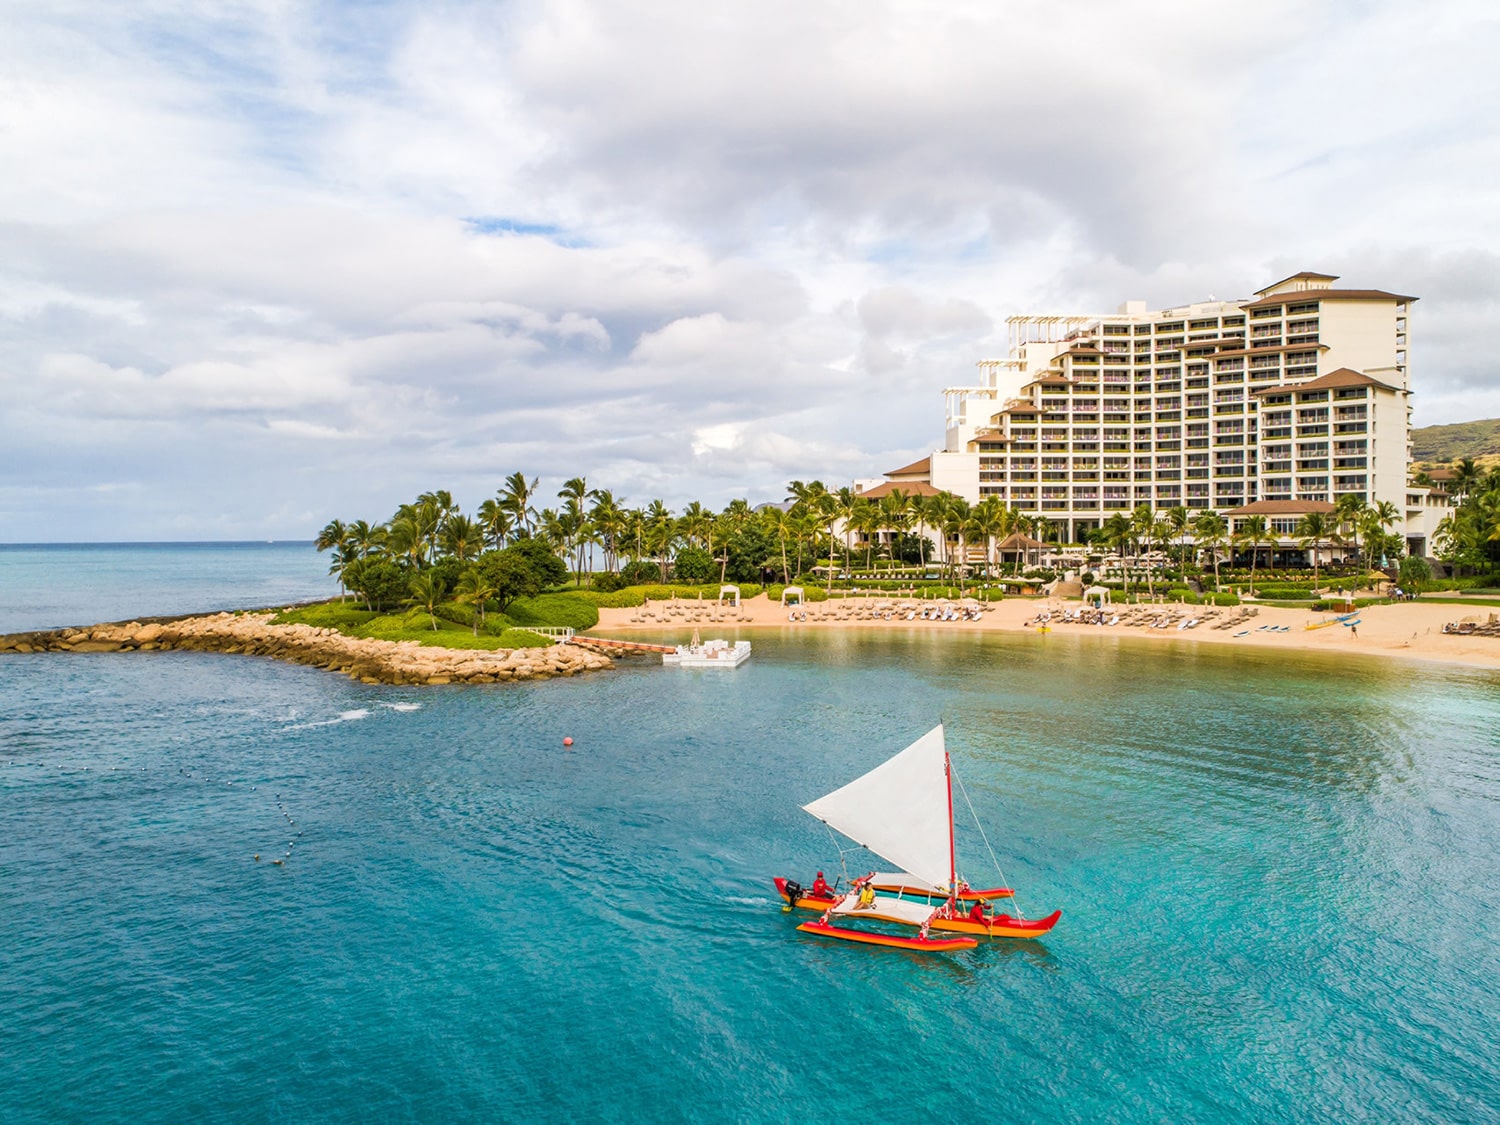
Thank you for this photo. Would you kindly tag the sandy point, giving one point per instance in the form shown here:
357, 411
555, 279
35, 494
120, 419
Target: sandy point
1409, 630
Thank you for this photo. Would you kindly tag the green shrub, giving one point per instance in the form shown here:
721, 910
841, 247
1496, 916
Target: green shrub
809, 593
694, 564
639, 572
571, 609
635, 595
344, 616
523, 638
606, 582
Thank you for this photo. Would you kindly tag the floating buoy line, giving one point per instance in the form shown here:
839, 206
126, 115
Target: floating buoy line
294, 834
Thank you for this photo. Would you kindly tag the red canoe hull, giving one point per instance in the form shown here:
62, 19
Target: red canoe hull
890, 941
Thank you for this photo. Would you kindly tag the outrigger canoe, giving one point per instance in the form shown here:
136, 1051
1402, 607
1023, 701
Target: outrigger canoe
902, 810
891, 941
889, 883
905, 912
900, 883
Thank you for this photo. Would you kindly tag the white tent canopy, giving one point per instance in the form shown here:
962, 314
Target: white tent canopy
790, 591
900, 810
1097, 594
733, 592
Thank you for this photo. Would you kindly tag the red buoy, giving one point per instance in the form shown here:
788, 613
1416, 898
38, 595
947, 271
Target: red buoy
567, 742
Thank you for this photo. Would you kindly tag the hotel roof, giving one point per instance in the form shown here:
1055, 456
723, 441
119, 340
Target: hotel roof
922, 466
1298, 296
1297, 277
1282, 508
1343, 377
909, 487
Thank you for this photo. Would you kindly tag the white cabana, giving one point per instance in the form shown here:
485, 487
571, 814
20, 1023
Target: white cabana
732, 592
793, 591
1097, 596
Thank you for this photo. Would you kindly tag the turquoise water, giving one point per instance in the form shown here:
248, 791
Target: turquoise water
1278, 879
47, 586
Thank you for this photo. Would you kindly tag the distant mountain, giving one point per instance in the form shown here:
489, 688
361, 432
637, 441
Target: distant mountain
1442, 444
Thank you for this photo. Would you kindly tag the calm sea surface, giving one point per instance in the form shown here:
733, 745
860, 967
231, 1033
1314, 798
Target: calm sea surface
46, 586
1278, 876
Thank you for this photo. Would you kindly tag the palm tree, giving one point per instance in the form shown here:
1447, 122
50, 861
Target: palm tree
991, 520
1116, 532
783, 526
1211, 532
1376, 523
1466, 475
1179, 520
463, 538
427, 590
1313, 530
865, 518
695, 522
552, 529
403, 537
1254, 531
892, 511
840, 510
474, 589
1140, 528
608, 519
720, 532
365, 539
576, 521
496, 520
1162, 532
335, 536
919, 507
661, 533
955, 527
1348, 510
517, 495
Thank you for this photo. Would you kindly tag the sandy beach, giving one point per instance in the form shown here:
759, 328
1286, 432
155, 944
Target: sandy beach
1409, 630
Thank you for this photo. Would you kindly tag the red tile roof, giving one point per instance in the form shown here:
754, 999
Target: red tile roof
922, 466
1297, 277
1343, 377
909, 487
1282, 508
1326, 295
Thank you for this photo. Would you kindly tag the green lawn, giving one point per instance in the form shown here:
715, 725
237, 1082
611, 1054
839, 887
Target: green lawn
411, 625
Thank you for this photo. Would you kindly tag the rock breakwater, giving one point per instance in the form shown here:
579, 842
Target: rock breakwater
369, 661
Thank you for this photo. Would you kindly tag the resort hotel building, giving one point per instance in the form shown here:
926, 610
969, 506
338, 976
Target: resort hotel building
1274, 406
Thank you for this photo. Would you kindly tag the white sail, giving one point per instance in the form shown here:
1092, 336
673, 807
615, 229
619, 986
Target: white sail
899, 810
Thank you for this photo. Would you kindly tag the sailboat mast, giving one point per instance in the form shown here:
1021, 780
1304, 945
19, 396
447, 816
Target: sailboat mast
952, 848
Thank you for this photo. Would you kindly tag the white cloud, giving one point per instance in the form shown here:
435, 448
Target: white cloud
692, 258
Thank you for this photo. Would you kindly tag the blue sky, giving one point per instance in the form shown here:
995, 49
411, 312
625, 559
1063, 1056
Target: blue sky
266, 264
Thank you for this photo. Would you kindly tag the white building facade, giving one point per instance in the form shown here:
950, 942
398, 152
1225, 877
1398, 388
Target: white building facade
1300, 395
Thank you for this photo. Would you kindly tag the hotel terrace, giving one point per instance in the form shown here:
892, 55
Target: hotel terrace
1274, 406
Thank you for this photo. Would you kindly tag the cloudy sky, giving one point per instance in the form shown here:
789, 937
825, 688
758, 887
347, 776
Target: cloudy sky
265, 263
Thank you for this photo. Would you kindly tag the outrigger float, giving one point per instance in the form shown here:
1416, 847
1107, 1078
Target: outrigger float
902, 810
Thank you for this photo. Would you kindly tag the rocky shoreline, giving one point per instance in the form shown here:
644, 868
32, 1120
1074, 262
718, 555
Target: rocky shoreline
369, 661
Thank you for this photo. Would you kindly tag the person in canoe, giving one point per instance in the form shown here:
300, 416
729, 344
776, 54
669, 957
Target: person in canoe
866, 900
820, 887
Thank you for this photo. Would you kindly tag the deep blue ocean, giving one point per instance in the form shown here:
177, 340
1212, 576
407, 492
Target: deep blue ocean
1278, 876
